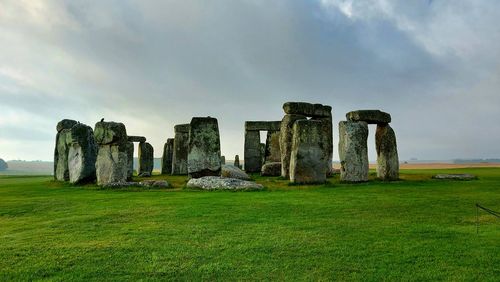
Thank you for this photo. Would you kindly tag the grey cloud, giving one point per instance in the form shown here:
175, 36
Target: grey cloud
153, 64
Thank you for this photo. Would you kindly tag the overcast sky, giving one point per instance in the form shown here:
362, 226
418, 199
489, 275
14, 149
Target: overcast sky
434, 65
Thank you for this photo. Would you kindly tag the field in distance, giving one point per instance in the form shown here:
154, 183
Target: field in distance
414, 229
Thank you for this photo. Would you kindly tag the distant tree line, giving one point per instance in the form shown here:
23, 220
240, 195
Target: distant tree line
3, 165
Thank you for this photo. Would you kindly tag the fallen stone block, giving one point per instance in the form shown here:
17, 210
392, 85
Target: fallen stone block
219, 183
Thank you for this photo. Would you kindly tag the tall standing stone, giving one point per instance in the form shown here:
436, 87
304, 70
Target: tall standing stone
130, 159
61, 169
273, 153
181, 146
166, 161
204, 157
146, 159
387, 153
253, 157
309, 155
82, 154
286, 137
237, 161
112, 164
222, 160
328, 133
353, 151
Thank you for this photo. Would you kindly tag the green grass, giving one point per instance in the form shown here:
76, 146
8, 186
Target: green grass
413, 229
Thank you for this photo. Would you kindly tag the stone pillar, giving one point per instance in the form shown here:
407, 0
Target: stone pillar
204, 148
286, 136
222, 160
130, 160
273, 153
253, 158
237, 161
112, 164
146, 160
181, 145
61, 169
387, 153
166, 161
82, 154
353, 151
328, 132
309, 155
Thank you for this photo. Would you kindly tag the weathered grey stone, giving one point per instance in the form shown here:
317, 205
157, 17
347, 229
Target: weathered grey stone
166, 161
184, 128
82, 154
272, 152
65, 124
219, 183
112, 163
230, 171
144, 184
130, 160
369, 116
253, 157
110, 133
222, 160
61, 168
262, 153
204, 147
271, 169
146, 160
237, 161
307, 109
387, 153
328, 132
353, 151
464, 176
263, 125
309, 159
140, 139
286, 137
181, 145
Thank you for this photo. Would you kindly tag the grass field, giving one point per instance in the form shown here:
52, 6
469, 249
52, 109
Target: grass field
414, 229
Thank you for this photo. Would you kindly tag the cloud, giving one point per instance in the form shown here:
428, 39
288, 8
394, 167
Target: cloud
434, 65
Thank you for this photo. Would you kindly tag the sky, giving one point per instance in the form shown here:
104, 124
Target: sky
434, 65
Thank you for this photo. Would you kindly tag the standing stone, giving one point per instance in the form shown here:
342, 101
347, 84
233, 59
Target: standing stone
286, 136
112, 165
61, 170
146, 160
204, 148
181, 145
273, 153
328, 132
253, 157
309, 156
387, 153
82, 154
130, 160
166, 161
353, 151
222, 160
262, 153
237, 161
